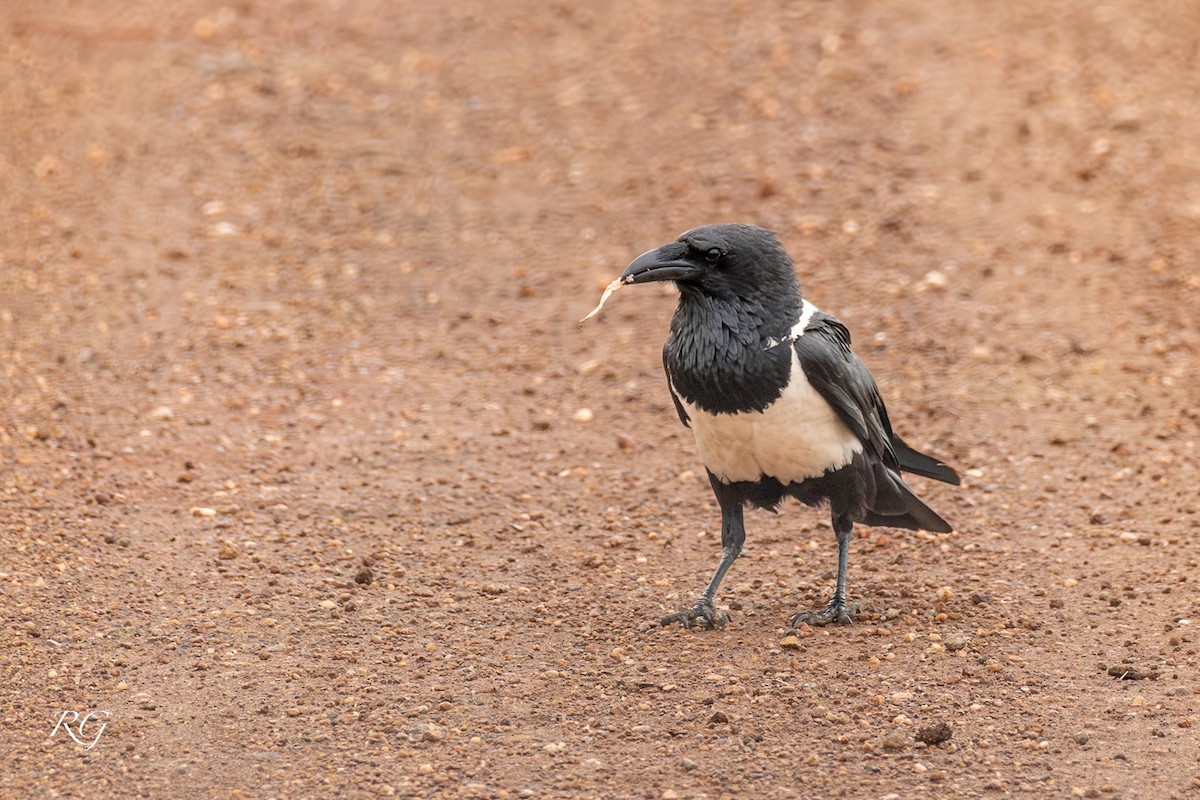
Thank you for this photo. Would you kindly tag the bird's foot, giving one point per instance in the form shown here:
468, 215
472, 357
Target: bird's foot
703, 613
838, 612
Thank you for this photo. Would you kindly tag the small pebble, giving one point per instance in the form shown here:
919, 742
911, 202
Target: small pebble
204, 29
956, 641
933, 280
936, 733
1129, 672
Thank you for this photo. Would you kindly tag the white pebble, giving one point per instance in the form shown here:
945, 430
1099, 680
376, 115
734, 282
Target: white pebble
934, 280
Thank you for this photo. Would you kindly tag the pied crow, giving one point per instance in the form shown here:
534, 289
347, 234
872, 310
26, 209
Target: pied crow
779, 404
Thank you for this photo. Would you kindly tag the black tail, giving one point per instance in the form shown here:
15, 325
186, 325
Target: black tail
895, 506
920, 464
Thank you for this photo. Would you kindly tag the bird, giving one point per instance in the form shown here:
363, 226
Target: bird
779, 403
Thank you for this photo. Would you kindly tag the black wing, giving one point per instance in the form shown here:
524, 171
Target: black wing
846, 384
683, 417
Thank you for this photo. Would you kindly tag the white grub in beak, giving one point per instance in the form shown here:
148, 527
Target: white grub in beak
612, 287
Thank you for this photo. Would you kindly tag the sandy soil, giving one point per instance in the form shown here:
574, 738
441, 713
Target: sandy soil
294, 481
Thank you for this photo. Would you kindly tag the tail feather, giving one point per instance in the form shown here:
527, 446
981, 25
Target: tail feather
922, 518
920, 464
894, 505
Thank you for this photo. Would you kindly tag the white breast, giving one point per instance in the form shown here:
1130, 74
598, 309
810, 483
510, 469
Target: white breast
798, 436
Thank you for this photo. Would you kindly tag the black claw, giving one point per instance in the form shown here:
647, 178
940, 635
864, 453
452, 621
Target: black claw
703, 612
838, 612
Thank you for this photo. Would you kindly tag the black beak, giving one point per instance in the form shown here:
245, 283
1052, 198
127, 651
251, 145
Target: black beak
667, 263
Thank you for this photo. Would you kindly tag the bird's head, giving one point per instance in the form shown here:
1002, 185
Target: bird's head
725, 262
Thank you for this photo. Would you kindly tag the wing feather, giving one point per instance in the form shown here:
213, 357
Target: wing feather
683, 415
846, 384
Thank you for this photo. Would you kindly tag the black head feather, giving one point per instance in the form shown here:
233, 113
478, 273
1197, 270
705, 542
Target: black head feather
738, 291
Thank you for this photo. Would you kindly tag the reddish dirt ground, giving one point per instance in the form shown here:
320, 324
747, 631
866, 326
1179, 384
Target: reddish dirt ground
294, 482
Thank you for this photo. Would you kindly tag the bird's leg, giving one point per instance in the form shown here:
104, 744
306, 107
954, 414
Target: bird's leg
733, 535
839, 609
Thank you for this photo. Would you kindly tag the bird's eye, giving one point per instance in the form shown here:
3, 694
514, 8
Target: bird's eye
713, 255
